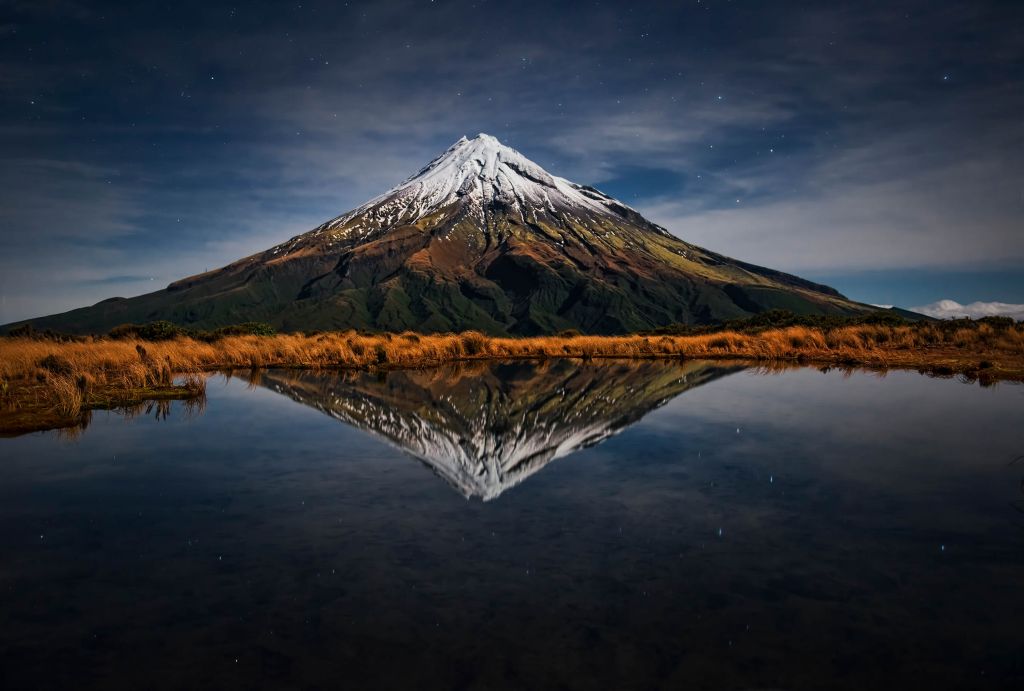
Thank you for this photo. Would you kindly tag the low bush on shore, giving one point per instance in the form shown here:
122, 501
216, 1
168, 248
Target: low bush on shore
165, 330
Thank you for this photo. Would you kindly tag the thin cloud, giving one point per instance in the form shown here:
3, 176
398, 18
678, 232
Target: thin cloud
951, 309
883, 202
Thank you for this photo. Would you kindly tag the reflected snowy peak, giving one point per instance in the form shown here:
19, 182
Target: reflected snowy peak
485, 427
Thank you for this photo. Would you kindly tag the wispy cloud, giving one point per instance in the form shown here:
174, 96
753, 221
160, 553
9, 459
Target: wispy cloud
951, 309
880, 202
43, 200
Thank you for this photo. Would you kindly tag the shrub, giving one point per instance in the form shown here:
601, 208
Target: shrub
23, 331
122, 331
28, 331
999, 323
165, 330
160, 331
55, 364
151, 331
245, 329
474, 342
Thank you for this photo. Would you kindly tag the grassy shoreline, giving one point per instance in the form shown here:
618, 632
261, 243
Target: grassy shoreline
48, 383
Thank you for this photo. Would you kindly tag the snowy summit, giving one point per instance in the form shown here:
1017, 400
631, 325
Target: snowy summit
484, 172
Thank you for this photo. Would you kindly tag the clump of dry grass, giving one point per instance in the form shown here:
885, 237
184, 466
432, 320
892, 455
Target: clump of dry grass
66, 393
74, 375
65, 379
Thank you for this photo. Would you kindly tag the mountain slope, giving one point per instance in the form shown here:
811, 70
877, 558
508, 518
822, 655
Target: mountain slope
481, 238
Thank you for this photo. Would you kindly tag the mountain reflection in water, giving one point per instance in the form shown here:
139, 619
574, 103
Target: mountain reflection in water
806, 530
485, 427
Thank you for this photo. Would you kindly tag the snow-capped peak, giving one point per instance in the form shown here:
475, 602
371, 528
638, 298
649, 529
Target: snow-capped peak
482, 172
477, 163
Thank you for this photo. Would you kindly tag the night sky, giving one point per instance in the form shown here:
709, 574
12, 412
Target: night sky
876, 147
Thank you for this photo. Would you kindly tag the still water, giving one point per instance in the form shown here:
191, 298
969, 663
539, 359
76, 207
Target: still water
525, 525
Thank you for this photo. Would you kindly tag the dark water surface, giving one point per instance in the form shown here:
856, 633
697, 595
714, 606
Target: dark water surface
721, 528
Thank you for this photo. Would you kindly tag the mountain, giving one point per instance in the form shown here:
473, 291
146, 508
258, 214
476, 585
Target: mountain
484, 427
481, 238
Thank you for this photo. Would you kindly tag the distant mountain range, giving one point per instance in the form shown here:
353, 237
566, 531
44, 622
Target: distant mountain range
481, 238
485, 427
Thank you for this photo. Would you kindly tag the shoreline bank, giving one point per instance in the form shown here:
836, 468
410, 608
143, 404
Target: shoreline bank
55, 383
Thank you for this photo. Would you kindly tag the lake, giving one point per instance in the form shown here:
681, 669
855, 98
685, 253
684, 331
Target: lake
615, 525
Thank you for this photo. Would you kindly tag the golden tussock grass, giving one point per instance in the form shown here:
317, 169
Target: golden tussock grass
100, 372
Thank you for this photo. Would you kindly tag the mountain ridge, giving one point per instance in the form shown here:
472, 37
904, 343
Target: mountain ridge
479, 238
